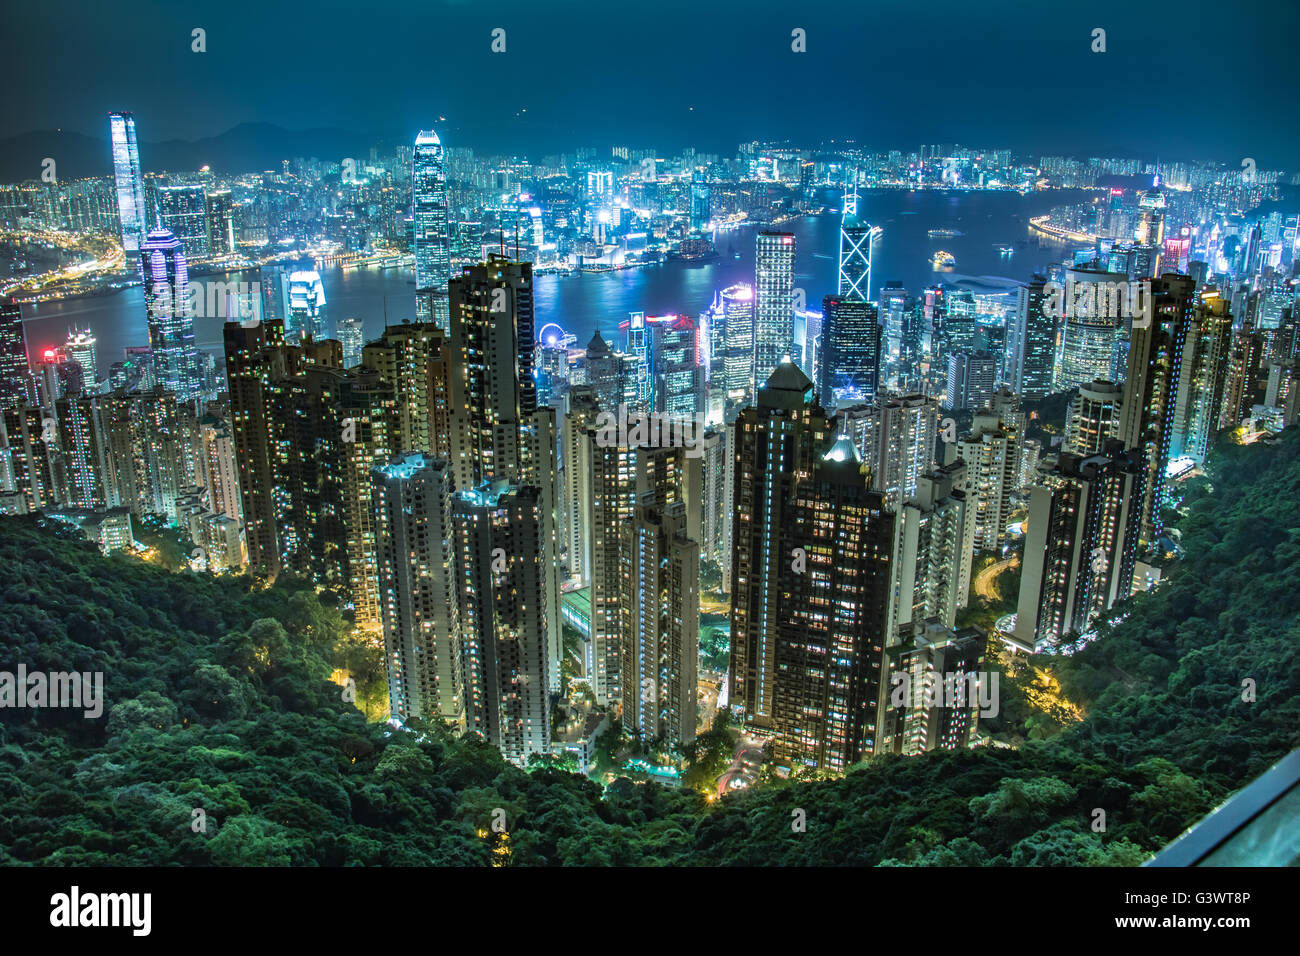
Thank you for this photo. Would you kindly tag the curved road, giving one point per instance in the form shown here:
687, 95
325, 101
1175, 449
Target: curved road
984, 580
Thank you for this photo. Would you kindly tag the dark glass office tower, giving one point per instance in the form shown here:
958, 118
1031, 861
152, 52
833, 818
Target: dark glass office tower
1155, 368
850, 360
832, 611
15, 374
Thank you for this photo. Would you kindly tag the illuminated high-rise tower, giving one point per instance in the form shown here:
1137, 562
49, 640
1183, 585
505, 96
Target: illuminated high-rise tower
638, 349
1093, 417
850, 357
661, 625
499, 540
221, 223
306, 315
1082, 543
678, 377
1090, 328
737, 354
165, 274
432, 243
184, 210
15, 375
856, 240
491, 390
620, 478
80, 348
498, 431
830, 605
773, 301
1031, 343
413, 357
898, 443
352, 337
1205, 363
418, 588
777, 442
1155, 371
129, 183
991, 452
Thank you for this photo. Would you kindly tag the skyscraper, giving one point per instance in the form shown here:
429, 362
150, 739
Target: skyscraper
31, 463
991, 451
220, 472
419, 588
1091, 325
221, 222
413, 357
737, 358
352, 338
579, 417
622, 478
80, 348
491, 391
715, 517
1081, 545
638, 352
165, 275
678, 387
499, 433
1201, 385
1093, 418
856, 238
608, 373
306, 314
254, 360
15, 375
661, 625
1245, 360
898, 444
831, 610
971, 378
1155, 371
850, 353
1031, 343
500, 562
773, 300
934, 661
936, 536
184, 210
777, 442
129, 183
432, 242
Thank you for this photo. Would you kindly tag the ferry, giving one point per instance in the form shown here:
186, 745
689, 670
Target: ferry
943, 260
945, 233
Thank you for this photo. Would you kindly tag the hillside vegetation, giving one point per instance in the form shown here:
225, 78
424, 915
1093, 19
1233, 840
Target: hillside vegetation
219, 700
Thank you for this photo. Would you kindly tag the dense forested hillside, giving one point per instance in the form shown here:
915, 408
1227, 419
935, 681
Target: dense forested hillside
218, 699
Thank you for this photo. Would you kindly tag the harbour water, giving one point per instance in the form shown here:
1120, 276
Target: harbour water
581, 304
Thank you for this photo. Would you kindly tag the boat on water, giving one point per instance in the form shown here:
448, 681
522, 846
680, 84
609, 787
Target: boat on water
693, 250
943, 260
945, 233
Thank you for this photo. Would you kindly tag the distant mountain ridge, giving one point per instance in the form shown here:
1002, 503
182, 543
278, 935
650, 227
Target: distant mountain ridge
248, 147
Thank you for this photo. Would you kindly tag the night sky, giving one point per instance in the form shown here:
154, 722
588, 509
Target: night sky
1192, 79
